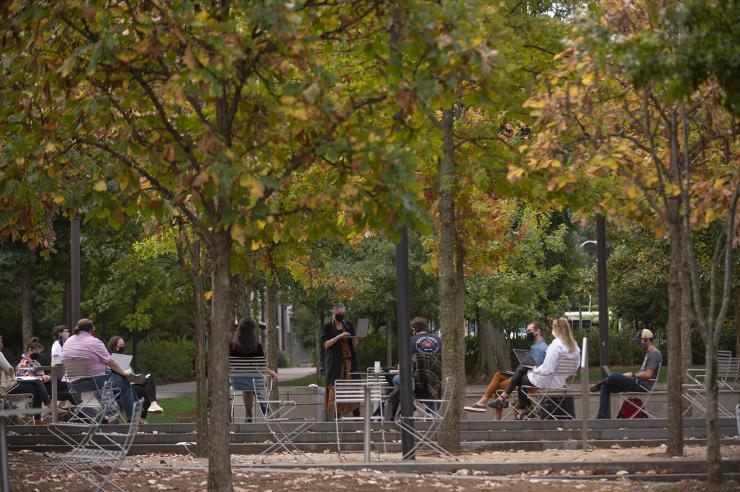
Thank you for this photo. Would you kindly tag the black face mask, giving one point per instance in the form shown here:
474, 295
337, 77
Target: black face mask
34, 356
339, 316
530, 336
121, 350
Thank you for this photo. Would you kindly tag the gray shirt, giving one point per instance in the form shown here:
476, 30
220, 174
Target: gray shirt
653, 359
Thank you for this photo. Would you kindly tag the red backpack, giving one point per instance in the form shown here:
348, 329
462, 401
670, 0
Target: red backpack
631, 409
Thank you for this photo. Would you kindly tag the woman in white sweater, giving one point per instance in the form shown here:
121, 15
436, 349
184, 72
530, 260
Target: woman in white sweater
543, 376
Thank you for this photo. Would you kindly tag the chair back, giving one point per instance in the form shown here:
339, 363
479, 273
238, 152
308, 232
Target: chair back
353, 390
567, 366
77, 368
249, 367
727, 367
427, 370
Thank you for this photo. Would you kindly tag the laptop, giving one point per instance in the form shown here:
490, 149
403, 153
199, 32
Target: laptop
525, 358
362, 326
123, 360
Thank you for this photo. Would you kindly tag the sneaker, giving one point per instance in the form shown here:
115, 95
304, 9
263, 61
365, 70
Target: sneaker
155, 408
595, 388
475, 407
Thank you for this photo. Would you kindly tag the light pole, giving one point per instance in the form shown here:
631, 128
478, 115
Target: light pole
600, 243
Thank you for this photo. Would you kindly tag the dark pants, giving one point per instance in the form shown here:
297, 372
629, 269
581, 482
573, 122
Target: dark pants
63, 393
616, 383
146, 391
519, 379
36, 389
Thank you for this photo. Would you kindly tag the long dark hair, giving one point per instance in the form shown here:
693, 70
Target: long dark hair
245, 338
112, 344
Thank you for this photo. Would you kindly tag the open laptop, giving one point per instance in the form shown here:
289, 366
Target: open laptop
362, 326
123, 360
525, 358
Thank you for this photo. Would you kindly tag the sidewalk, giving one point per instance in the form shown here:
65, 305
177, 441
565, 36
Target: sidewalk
175, 390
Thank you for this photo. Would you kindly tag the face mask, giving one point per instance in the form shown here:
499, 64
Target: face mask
34, 356
339, 316
530, 336
120, 350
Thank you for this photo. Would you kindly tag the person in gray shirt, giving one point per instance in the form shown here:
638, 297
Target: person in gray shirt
639, 382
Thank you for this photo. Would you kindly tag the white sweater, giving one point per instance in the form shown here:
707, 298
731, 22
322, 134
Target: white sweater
542, 376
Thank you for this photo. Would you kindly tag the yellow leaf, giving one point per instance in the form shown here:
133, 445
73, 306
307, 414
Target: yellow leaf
237, 234
719, 183
100, 186
189, 59
633, 192
587, 78
208, 295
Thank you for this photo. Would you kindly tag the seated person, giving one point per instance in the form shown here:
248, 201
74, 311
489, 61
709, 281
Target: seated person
246, 344
100, 366
147, 390
629, 382
500, 379
543, 376
61, 334
422, 342
29, 366
11, 386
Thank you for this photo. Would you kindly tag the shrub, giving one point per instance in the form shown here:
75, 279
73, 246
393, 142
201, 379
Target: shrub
166, 360
284, 359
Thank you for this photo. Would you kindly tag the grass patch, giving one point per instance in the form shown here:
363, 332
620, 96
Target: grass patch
176, 410
304, 381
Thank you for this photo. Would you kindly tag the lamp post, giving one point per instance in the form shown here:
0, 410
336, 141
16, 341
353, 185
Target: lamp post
600, 243
404, 348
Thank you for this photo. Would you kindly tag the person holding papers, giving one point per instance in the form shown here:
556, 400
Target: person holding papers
146, 391
339, 340
30, 376
543, 376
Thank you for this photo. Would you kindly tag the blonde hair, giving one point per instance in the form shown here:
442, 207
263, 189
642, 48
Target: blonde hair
561, 329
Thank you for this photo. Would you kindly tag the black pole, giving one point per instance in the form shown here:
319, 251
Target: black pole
404, 335
75, 289
603, 304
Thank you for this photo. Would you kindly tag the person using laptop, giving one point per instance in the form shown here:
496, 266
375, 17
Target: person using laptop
543, 376
628, 382
501, 379
99, 366
146, 391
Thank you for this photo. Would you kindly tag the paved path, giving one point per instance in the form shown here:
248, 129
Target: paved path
175, 390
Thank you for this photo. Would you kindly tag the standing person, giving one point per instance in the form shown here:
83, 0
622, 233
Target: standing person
542, 376
639, 382
100, 367
61, 333
246, 344
501, 379
341, 359
146, 391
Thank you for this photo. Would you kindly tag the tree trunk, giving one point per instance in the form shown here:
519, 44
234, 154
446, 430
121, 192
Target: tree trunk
673, 336
450, 325
493, 351
219, 458
737, 321
272, 329
686, 359
714, 458
26, 304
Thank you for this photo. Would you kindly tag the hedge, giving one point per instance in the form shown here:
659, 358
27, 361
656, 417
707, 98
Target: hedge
166, 360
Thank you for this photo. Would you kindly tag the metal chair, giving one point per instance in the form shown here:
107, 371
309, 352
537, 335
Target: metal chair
565, 366
726, 377
644, 396
429, 413
248, 368
85, 421
352, 391
12, 400
92, 405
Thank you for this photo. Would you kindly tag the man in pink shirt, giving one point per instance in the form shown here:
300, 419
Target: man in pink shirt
84, 345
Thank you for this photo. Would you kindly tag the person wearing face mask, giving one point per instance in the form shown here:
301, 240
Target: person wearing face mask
501, 379
61, 333
341, 359
146, 391
543, 375
628, 382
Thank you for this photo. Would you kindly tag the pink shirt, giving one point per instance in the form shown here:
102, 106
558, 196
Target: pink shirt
85, 345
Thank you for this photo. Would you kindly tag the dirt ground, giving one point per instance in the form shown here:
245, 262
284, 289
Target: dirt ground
31, 472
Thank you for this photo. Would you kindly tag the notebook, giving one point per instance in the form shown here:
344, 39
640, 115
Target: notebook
525, 358
123, 360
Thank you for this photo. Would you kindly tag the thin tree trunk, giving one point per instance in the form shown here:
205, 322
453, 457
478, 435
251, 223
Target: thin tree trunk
26, 304
673, 337
219, 458
714, 458
451, 327
686, 359
737, 321
272, 330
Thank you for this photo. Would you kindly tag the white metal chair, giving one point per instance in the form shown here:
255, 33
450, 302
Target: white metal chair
352, 391
97, 457
629, 398
429, 413
85, 420
737, 417
727, 374
549, 402
248, 368
91, 406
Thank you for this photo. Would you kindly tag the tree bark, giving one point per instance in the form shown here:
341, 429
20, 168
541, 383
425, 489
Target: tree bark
26, 304
686, 325
714, 458
272, 329
219, 458
673, 334
737, 321
450, 324
493, 350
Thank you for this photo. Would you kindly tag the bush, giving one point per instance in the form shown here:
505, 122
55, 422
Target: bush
166, 360
284, 359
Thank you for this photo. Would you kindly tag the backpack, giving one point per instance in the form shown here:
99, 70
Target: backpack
631, 409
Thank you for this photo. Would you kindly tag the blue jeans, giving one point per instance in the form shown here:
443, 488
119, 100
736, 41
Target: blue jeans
616, 383
128, 398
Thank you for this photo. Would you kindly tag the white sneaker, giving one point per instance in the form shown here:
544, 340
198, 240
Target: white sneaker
155, 408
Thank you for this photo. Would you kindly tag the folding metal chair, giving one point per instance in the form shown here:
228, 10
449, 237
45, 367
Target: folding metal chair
83, 424
91, 404
628, 397
101, 454
429, 413
15, 400
540, 397
352, 391
695, 391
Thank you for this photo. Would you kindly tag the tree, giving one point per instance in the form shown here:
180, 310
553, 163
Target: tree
617, 123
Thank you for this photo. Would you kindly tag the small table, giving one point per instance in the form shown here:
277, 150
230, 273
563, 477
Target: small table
4, 414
